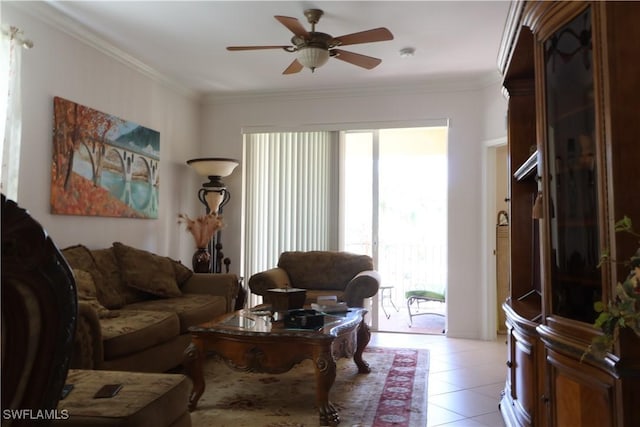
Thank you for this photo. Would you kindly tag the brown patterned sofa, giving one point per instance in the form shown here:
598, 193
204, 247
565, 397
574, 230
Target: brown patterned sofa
350, 277
135, 307
39, 318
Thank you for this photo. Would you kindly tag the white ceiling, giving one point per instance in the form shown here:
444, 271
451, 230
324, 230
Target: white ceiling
185, 41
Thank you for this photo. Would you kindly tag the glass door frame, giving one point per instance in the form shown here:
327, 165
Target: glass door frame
368, 206
375, 198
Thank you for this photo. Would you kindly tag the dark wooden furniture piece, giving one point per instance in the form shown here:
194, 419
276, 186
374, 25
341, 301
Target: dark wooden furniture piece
571, 77
248, 342
39, 313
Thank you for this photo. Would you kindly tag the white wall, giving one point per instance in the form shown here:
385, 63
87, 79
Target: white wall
495, 112
474, 117
60, 65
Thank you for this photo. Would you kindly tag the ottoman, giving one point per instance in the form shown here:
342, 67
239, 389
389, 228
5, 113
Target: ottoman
146, 399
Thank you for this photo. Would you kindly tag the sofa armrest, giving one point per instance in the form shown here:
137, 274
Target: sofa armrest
364, 285
87, 345
277, 277
226, 285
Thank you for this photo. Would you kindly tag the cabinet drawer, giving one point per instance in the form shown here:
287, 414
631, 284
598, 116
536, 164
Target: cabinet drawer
524, 377
581, 395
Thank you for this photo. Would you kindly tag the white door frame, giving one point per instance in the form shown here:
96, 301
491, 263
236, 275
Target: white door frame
490, 306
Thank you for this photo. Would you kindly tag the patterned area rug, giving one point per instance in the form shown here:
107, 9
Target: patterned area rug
393, 394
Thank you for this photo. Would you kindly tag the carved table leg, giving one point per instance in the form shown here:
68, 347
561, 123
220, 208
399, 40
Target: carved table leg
364, 335
325, 376
193, 364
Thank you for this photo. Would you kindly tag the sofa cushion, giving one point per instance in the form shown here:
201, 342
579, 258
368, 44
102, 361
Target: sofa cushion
80, 257
192, 309
182, 273
323, 269
144, 400
86, 291
108, 264
146, 271
133, 331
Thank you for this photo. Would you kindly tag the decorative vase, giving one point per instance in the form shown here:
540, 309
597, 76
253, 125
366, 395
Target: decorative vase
201, 261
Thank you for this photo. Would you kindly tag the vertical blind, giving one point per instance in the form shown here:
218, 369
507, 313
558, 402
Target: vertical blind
291, 195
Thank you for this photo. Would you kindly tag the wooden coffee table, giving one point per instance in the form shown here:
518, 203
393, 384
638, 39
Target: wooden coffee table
249, 342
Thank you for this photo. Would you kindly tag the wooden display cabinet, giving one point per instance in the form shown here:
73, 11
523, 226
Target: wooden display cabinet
572, 78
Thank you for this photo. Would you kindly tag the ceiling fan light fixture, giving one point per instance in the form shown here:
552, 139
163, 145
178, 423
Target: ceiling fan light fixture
314, 48
313, 57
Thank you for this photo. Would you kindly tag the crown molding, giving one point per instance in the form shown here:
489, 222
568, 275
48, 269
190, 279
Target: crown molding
466, 83
49, 14
46, 12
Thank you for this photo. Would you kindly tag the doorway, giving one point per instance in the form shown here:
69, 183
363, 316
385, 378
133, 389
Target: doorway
394, 208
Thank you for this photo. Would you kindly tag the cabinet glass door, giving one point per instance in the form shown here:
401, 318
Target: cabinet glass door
571, 156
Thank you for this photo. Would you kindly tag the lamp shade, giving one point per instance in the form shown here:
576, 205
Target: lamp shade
313, 57
213, 166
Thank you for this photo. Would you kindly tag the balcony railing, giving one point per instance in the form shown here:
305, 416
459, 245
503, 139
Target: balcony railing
409, 267
413, 267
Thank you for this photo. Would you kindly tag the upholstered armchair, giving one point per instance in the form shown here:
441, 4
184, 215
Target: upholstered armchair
350, 277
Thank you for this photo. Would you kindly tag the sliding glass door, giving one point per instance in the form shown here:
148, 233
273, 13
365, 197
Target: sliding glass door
394, 208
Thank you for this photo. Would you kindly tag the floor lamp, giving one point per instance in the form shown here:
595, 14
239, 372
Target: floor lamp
214, 195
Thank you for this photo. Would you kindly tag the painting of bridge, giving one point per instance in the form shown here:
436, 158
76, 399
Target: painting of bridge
102, 165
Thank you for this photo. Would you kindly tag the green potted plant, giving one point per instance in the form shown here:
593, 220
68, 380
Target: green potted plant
623, 309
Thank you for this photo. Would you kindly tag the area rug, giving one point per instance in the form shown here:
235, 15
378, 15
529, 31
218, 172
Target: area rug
394, 394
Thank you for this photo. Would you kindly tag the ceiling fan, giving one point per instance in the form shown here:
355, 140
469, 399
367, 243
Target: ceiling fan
315, 48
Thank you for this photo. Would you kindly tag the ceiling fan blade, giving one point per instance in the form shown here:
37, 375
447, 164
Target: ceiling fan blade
256, 47
294, 67
293, 25
369, 36
363, 61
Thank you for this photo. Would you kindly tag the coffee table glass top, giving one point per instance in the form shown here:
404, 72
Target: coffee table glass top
257, 322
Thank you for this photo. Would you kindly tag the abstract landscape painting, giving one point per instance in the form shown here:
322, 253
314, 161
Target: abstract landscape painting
102, 165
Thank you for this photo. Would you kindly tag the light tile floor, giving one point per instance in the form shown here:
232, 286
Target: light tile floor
465, 377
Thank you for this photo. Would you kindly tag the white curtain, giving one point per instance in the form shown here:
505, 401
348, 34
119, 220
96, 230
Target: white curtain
10, 111
291, 199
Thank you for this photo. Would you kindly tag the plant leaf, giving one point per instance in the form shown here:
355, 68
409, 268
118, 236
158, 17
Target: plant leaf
624, 224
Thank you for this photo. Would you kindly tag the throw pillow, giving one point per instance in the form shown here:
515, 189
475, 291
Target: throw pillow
108, 263
182, 273
86, 289
79, 257
146, 271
